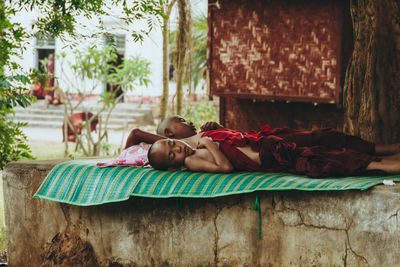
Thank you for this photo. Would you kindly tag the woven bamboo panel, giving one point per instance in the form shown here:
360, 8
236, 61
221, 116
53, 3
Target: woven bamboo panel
289, 50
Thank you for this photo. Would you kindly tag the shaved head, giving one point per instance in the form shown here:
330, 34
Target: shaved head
176, 127
165, 154
164, 124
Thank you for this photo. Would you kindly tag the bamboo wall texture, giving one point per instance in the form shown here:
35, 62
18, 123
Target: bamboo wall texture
282, 50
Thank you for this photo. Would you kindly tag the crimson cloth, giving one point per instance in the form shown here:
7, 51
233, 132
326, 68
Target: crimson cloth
50, 69
37, 90
48, 93
320, 153
78, 119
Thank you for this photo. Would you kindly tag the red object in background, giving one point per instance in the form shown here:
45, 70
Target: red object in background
37, 90
79, 118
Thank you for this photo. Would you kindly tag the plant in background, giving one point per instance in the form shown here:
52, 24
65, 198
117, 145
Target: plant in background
196, 60
38, 76
13, 142
59, 18
200, 113
93, 68
12, 89
199, 50
56, 19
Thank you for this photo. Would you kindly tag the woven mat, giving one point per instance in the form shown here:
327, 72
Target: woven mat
80, 182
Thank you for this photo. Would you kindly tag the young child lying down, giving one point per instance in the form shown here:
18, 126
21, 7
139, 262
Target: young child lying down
137, 145
319, 153
174, 127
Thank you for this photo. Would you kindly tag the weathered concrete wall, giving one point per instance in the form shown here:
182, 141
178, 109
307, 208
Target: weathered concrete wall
350, 228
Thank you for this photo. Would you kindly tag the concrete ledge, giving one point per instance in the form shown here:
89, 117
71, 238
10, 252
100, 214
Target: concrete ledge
347, 228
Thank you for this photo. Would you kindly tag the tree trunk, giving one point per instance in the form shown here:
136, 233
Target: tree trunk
189, 48
371, 94
181, 52
165, 95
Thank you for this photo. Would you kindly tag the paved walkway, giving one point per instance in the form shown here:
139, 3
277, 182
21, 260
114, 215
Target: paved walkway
55, 135
47, 125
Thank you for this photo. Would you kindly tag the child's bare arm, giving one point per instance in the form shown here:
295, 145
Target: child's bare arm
137, 136
219, 163
210, 125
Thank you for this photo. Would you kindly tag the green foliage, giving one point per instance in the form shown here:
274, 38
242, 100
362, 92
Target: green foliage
11, 34
58, 16
133, 71
13, 142
3, 241
56, 19
108, 149
145, 10
99, 67
200, 113
12, 93
12, 89
197, 71
39, 76
94, 63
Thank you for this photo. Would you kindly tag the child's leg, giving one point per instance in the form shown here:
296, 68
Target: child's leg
393, 157
330, 138
387, 149
47, 101
388, 165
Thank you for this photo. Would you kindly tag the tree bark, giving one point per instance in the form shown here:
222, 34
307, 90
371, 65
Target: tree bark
189, 50
165, 95
371, 94
181, 52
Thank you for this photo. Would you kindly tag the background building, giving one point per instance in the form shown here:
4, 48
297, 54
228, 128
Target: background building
37, 49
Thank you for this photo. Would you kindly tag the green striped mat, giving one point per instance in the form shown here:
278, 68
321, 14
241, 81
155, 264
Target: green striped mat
81, 183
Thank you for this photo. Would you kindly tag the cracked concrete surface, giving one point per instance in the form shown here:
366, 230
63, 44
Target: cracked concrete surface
348, 228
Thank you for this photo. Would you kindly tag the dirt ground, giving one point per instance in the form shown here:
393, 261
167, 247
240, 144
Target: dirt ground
68, 249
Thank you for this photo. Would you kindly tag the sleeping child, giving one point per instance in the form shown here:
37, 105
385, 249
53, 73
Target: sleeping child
174, 127
138, 142
319, 153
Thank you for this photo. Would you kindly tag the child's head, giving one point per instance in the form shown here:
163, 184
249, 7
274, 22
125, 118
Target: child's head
167, 154
176, 127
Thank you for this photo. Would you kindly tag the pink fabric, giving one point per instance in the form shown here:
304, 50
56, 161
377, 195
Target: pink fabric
132, 156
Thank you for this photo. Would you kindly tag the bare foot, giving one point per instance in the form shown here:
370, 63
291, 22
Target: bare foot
388, 165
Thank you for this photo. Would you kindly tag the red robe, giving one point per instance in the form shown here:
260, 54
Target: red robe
319, 153
79, 119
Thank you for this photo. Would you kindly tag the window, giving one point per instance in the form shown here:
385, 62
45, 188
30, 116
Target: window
118, 41
44, 47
